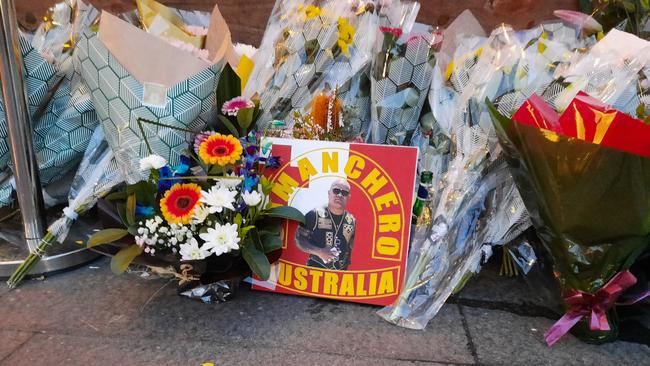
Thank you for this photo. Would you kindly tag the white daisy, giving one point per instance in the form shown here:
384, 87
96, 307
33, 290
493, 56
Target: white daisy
218, 198
192, 251
152, 162
252, 198
222, 239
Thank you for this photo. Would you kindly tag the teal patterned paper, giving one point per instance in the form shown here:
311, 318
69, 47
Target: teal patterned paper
39, 78
62, 133
118, 100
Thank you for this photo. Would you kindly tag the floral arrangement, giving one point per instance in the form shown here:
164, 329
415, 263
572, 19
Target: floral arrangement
211, 211
214, 203
308, 44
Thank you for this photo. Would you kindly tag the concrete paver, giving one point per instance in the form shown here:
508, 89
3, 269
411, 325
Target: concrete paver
502, 338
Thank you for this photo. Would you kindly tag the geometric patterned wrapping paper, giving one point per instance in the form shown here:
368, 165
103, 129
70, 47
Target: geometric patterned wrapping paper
62, 133
39, 77
398, 98
118, 100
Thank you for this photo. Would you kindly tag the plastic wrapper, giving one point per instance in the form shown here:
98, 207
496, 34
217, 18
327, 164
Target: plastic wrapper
39, 79
575, 170
63, 116
150, 96
475, 200
97, 175
309, 46
401, 72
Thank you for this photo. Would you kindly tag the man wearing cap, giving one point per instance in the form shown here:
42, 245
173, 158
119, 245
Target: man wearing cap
328, 233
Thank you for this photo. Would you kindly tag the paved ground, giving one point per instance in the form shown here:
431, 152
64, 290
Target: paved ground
90, 317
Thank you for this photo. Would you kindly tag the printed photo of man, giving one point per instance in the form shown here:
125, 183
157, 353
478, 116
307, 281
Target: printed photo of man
328, 233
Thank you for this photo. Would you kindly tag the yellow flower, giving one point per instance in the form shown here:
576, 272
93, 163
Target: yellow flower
312, 11
179, 202
346, 35
220, 149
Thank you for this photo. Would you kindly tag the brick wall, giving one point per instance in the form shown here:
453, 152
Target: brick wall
247, 19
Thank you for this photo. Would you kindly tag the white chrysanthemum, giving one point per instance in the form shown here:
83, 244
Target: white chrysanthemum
247, 50
252, 198
222, 239
192, 251
152, 162
201, 213
218, 198
231, 181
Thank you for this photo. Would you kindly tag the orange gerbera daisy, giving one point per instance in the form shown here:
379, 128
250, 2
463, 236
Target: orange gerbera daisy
179, 202
220, 149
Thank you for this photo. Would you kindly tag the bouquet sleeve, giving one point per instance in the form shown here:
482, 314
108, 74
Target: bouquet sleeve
586, 188
149, 95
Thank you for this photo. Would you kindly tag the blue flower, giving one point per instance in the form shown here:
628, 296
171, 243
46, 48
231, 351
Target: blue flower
164, 181
143, 211
250, 182
183, 167
272, 162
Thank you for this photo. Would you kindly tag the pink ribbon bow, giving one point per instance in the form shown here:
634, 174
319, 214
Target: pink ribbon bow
594, 306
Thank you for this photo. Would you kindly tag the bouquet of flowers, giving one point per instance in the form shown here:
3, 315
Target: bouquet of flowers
578, 152
97, 175
201, 218
310, 48
152, 93
401, 72
474, 203
58, 103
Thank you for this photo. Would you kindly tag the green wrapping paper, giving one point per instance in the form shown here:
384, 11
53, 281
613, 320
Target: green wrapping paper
590, 203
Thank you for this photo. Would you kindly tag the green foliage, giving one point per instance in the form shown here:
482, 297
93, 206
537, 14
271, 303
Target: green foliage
225, 122
229, 85
106, 236
253, 254
270, 242
121, 261
286, 212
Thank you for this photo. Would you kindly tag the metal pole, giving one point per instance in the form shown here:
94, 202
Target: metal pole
28, 185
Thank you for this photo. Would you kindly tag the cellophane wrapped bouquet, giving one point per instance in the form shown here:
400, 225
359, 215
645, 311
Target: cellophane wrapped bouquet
578, 152
62, 115
473, 202
153, 85
312, 52
402, 70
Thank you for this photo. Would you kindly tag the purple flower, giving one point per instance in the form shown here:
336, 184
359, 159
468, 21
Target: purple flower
198, 140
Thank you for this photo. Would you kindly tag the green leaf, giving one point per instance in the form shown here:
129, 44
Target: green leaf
246, 229
144, 191
244, 118
286, 212
130, 209
270, 242
267, 185
228, 125
256, 259
106, 236
120, 262
116, 196
229, 86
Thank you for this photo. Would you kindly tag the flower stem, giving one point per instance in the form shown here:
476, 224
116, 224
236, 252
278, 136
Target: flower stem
31, 260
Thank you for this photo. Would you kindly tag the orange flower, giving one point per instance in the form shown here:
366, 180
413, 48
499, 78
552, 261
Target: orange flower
321, 108
220, 149
179, 202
